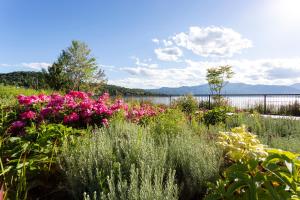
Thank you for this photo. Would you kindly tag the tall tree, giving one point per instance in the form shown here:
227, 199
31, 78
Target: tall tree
217, 78
57, 73
75, 68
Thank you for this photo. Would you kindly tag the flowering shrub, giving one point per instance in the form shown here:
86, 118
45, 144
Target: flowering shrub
140, 114
240, 144
76, 109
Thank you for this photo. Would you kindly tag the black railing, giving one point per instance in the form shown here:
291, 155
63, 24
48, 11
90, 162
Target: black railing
288, 104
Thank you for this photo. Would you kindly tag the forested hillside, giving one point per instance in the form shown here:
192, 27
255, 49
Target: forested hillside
36, 80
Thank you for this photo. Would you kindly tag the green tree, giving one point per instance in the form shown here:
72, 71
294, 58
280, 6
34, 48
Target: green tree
75, 68
217, 78
57, 73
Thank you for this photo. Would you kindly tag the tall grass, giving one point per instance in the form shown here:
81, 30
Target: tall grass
13, 91
278, 133
91, 162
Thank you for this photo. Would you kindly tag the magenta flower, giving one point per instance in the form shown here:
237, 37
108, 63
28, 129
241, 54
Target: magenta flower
104, 97
27, 100
73, 117
28, 115
45, 112
104, 122
43, 98
17, 125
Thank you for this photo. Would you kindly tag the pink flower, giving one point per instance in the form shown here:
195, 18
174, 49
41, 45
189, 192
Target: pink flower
27, 100
73, 117
78, 94
117, 105
105, 122
104, 97
43, 98
28, 115
86, 113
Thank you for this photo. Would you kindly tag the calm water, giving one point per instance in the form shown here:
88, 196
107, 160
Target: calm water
242, 101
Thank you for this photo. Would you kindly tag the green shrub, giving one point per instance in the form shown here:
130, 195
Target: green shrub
215, 116
196, 161
171, 122
187, 104
277, 177
28, 162
144, 183
89, 160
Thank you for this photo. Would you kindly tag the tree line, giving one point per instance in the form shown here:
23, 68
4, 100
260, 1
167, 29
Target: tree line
74, 69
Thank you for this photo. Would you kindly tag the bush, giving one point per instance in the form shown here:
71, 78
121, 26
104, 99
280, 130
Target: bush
88, 162
196, 161
277, 177
277, 133
144, 183
239, 144
215, 116
28, 162
171, 122
187, 104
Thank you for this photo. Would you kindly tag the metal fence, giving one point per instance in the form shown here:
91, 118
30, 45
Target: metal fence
264, 103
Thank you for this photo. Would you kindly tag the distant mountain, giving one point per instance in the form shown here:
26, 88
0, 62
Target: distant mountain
231, 88
296, 86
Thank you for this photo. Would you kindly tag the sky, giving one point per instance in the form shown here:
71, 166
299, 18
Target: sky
157, 43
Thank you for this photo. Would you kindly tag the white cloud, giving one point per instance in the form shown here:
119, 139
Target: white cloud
212, 41
155, 40
36, 65
4, 65
262, 71
167, 43
32, 65
168, 53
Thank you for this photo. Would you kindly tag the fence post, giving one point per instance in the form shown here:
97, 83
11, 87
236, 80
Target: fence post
265, 104
170, 100
209, 102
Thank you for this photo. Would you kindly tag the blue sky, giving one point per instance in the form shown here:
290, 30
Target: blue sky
149, 44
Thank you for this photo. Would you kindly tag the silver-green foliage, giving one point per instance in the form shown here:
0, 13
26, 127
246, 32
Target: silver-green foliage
196, 161
144, 183
112, 152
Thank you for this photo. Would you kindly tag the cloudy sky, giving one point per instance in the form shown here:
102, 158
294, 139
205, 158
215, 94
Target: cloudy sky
150, 44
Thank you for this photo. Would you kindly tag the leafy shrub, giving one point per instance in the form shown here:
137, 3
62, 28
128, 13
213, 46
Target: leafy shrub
215, 116
277, 177
31, 157
187, 104
239, 144
171, 122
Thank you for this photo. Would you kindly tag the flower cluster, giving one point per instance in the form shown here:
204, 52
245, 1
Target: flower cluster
137, 113
76, 108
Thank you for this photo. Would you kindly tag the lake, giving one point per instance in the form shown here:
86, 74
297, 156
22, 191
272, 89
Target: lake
238, 101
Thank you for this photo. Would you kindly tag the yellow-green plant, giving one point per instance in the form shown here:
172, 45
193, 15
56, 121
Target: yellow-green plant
239, 144
277, 177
